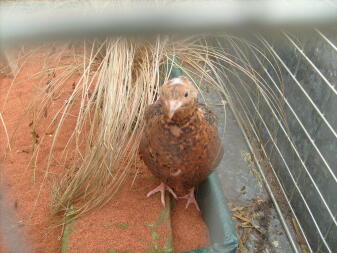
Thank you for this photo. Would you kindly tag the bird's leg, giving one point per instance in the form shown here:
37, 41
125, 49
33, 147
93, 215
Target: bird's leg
162, 188
191, 199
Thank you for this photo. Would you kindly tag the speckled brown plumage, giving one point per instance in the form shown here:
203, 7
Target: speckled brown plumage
182, 147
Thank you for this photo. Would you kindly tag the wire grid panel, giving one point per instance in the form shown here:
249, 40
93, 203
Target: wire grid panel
292, 114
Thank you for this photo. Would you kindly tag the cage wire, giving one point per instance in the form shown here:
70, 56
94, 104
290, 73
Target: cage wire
296, 138
289, 122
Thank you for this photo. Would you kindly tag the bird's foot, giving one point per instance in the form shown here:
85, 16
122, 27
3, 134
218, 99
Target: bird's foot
162, 188
191, 199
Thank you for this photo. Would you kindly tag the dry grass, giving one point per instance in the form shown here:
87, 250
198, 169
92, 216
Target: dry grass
120, 77
5, 131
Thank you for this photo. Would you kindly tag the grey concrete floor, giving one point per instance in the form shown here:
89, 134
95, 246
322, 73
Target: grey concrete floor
243, 188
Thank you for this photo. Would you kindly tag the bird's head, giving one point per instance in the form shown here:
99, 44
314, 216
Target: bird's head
179, 98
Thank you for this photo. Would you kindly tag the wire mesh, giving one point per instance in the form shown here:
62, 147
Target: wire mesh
294, 122
289, 119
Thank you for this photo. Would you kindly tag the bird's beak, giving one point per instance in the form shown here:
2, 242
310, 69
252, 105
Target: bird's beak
173, 106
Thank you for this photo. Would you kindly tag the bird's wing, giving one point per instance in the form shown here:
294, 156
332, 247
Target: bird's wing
212, 120
208, 115
152, 111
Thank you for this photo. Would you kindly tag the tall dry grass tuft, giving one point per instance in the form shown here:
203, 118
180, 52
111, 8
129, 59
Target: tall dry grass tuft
113, 98
118, 79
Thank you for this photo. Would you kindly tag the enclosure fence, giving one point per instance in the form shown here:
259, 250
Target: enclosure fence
294, 139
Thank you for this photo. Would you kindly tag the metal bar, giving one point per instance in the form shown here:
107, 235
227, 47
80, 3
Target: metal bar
278, 210
307, 134
146, 18
297, 118
283, 192
288, 169
293, 145
10, 61
312, 64
292, 177
269, 190
326, 39
305, 93
13, 238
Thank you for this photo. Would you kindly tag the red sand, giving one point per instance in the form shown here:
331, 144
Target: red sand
122, 224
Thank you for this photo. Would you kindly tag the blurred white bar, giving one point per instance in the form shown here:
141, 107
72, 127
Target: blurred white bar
10, 228
10, 61
79, 21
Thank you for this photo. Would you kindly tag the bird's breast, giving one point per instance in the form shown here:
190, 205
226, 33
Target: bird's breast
180, 154
183, 143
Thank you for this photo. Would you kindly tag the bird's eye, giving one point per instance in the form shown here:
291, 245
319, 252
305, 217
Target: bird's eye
186, 94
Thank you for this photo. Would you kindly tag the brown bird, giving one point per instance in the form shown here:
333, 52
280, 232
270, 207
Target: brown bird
180, 144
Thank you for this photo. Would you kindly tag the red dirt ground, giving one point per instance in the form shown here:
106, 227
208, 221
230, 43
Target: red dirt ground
97, 231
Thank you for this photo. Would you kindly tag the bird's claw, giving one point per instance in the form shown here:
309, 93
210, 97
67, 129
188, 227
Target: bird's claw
171, 191
162, 188
191, 199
